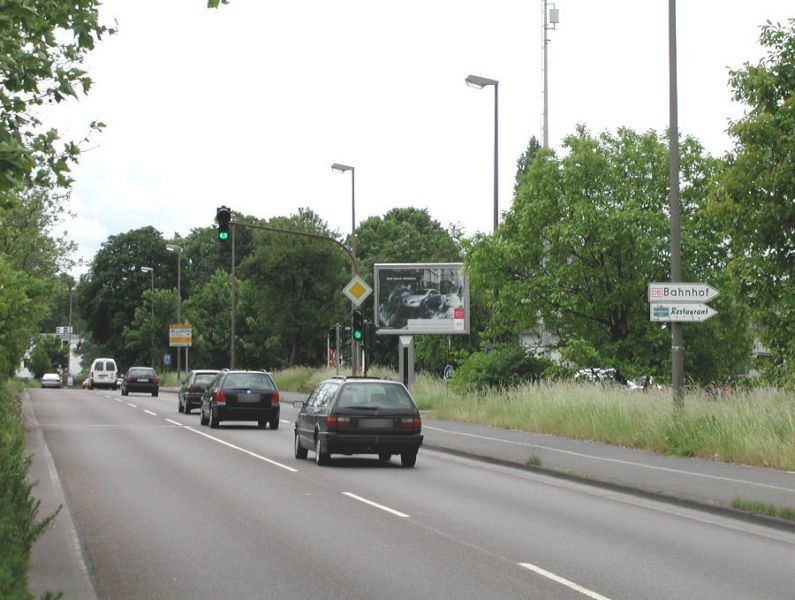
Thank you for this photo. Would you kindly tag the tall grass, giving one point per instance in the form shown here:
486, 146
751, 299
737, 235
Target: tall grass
756, 427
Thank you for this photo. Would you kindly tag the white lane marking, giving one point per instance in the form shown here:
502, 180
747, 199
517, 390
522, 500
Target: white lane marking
612, 460
149, 412
285, 421
177, 423
243, 450
133, 405
117, 399
562, 581
392, 511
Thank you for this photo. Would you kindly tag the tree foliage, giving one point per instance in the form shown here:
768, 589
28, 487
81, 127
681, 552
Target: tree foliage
586, 235
755, 195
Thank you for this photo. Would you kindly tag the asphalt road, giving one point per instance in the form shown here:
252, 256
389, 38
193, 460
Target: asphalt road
166, 508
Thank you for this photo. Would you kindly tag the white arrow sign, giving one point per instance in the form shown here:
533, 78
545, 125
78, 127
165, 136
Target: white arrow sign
681, 292
681, 312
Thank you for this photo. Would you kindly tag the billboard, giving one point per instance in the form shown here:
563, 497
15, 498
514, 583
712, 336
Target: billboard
421, 298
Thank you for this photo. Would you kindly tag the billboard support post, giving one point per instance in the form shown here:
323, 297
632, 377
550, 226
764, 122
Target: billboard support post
406, 360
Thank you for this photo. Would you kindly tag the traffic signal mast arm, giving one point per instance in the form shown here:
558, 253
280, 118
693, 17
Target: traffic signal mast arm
305, 234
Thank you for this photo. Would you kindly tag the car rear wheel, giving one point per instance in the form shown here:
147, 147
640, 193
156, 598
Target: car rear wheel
384, 456
408, 459
274, 423
187, 408
321, 458
300, 452
214, 420
202, 419
179, 406
262, 423
124, 392
154, 394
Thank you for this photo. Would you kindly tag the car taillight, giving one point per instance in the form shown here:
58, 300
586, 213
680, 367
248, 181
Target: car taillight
335, 422
220, 397
274, 398
410, 423
130, 378
191, 389
156, 380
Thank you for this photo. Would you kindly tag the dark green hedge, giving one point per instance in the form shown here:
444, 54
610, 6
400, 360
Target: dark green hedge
19, 527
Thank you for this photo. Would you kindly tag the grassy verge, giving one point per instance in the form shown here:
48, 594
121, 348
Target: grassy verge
762, 508
755, 428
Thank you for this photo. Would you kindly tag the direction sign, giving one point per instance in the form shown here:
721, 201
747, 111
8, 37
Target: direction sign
357, 290
180, 335
680, 311
681, 292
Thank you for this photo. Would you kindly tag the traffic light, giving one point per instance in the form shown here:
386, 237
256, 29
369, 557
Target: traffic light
358, 327
332, 337
223, 215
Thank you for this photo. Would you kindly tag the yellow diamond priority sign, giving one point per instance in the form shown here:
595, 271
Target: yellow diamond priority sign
357, 290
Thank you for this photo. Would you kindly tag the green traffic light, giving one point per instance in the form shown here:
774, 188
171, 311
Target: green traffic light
223, 235
357, 335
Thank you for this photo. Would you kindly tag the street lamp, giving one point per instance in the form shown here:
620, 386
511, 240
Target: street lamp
178, 250
481, 82
341, 169
151, 271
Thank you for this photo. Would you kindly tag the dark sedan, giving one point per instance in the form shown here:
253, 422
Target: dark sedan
359, 416
191, 390
140, 379
241, 396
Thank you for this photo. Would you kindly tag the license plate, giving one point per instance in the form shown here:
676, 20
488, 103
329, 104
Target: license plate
249, 397
375, 423
143, 381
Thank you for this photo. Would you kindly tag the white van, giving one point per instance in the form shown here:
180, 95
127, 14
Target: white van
102, 373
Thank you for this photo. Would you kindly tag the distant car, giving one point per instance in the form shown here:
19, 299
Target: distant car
140, 379
86, 385
358, 416
51, 380
191, 390
241, 396
102, 373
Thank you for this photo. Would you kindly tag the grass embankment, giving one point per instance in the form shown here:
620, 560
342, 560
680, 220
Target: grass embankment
754, 428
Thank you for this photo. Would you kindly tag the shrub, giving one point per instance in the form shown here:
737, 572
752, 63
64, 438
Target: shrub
504, 366
18, 510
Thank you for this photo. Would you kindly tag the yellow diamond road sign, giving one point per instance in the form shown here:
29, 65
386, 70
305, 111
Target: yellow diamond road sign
357, 290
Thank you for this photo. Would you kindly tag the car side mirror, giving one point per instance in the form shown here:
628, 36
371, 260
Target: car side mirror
298, 404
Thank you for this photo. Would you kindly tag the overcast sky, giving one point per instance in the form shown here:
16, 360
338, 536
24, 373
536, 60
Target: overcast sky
250, 104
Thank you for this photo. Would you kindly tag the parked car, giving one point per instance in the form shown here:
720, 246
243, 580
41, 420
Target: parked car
241, 396
51, 380
191, 390
358, 416
102, 373
140, 379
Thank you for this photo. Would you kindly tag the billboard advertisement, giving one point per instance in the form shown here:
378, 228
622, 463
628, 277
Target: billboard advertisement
421, 298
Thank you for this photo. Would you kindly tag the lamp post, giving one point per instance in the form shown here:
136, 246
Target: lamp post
178, 250
480, 83
551, 19
341, 169
151, 271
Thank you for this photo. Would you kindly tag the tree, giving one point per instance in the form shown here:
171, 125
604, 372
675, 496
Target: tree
586, 235
42, 45
109, 294
755, 193
49, 355
293, 293
524, 161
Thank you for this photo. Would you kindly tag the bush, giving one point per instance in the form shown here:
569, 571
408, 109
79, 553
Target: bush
501, 367
18, 510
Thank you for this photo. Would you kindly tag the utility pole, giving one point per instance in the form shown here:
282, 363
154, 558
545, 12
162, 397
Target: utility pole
551, 17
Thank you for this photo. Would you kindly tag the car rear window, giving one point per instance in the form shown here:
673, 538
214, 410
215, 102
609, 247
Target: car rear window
252, 381
141, 372
203, 377
374, 395
110, 366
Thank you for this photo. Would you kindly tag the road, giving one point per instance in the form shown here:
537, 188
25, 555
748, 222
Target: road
166, 508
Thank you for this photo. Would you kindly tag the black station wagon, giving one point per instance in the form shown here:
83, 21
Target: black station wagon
359, 416
241, 396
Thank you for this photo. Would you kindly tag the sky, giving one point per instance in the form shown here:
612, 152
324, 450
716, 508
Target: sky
249, 105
